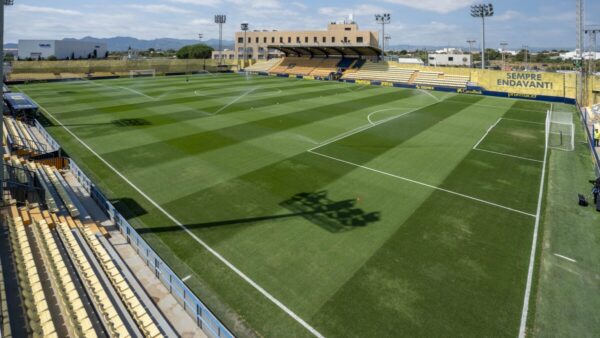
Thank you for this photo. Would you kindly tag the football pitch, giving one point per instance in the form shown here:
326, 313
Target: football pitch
300, 208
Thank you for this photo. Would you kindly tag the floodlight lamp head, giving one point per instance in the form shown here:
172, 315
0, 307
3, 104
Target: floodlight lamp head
9, 2
220, 18
244, 26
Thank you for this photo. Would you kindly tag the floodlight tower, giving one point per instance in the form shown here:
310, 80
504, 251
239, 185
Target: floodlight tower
579, 49
503, 46
482, 11
592, 32
220, 19
383, 19
5, 3
471, 43
244, 28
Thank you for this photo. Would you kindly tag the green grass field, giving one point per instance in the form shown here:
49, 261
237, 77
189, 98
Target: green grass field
366, 211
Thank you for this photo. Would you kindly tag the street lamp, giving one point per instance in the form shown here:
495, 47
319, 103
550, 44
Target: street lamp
503, 46
383, 19
471, 42
482, 11
220, 19
244, 27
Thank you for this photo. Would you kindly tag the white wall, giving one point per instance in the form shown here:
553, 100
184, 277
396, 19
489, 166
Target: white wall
449, 60
35, 48
62, 49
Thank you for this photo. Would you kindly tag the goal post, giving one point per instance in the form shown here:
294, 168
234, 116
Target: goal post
142, 73
561, 130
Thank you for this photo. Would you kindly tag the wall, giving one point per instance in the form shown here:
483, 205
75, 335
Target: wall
522, 83
92, 66
45, 48
80, 49
461, 60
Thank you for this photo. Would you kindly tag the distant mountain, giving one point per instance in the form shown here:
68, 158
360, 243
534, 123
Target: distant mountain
119, 43
11, 45
465, 48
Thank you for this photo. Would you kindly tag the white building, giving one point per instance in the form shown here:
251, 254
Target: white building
61, 49
457, 60
573, 55
410, 61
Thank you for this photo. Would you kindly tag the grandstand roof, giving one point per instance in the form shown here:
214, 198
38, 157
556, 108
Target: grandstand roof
327, 50
19, 101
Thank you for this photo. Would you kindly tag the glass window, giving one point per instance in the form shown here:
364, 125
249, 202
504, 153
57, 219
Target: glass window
333, 39
289, 39
240, 40
324, 39
359, 39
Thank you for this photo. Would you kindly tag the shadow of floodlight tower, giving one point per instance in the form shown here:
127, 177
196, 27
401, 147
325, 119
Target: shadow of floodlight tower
383, 19
482, 11
6, 3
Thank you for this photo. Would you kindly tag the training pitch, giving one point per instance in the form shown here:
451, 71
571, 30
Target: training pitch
299, 208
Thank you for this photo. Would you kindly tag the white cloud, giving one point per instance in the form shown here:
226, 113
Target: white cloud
508, 16
45, 10
359, 10
440, 6
299, 5
209, 3
158, 9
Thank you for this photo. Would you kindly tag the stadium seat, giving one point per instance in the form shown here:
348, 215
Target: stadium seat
263, 67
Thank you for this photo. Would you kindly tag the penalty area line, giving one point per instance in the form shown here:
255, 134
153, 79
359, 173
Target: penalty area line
565, 258
232, 267
423, 184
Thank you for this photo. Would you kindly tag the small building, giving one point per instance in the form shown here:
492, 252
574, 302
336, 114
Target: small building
61, 49
456, 60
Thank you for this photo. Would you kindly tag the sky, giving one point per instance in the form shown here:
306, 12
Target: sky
537, 23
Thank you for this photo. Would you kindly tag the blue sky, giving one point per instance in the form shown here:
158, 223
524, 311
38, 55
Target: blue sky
538, 23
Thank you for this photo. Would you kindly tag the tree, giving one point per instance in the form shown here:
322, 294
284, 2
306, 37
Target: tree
95, 54
52, 58
72, 55
106, 55
199, 51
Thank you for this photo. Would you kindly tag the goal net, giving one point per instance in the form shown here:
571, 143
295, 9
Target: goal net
142, 73
561, 131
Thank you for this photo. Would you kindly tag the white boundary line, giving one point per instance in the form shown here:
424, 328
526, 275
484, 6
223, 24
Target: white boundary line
424, 184
191, 234
486, 133
366, 126
508, 155
566, 258
525, 312
523, 121
234, 101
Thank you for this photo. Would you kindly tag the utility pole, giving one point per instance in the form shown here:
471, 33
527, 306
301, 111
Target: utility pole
2, 178
482, 11
471, 43
220, 19
526, 56
503, 46
383, 19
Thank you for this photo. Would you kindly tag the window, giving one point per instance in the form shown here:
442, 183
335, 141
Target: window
348, 28
297, 39
315, 39
289, 39
249, 40
257, 39
451, 58
324, 39
306, 39
265, 39
273, 39
280, 39
333, 39
359, 39
240, 40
